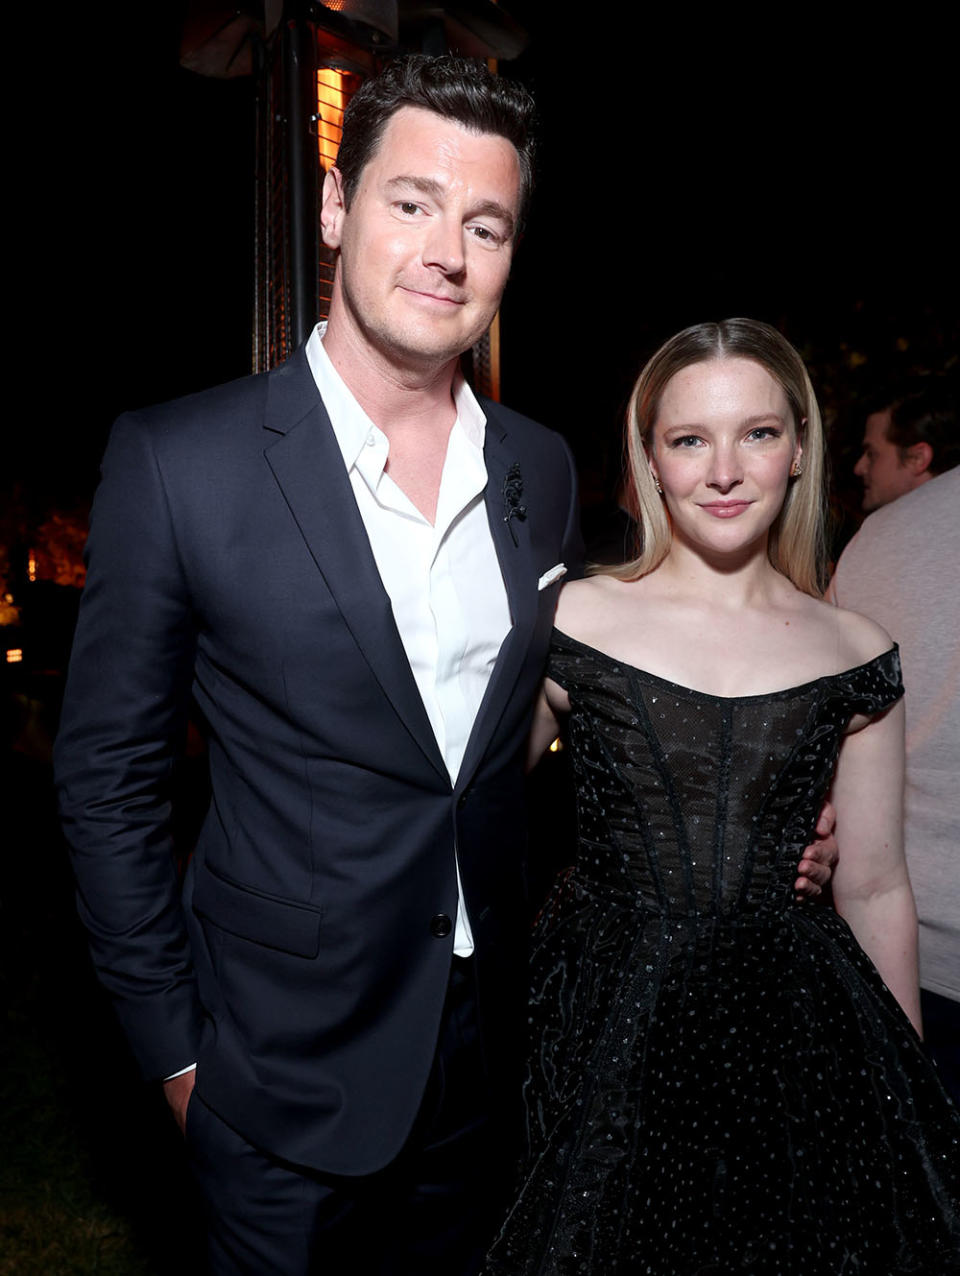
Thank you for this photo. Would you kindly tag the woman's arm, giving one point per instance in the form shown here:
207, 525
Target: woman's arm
551, 701
870, 885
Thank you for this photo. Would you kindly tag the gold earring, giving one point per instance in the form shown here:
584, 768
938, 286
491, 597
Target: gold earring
796, 469
656, 484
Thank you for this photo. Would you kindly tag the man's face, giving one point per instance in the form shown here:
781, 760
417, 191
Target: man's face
426, 246
885, 474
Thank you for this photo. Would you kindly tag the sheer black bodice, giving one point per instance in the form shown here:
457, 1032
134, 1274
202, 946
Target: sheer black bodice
718, 1079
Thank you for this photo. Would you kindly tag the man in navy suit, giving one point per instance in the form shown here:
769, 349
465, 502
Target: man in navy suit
351, 564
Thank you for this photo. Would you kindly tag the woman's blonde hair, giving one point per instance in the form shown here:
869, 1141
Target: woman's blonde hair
797, 537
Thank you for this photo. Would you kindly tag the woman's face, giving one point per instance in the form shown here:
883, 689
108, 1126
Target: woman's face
723, 446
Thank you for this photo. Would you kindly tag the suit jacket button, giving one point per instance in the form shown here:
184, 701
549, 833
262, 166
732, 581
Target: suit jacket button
441, 926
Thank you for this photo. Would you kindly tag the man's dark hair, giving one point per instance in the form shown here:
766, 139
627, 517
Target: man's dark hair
458, 89
928, 416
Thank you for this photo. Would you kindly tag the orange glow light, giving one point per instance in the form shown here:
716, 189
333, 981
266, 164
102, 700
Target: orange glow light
332, 98
14, 655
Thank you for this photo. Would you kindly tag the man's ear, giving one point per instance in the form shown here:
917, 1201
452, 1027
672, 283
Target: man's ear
918, 457
332, 209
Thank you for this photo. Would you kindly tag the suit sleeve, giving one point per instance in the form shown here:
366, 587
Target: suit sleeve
574, 556
123, 719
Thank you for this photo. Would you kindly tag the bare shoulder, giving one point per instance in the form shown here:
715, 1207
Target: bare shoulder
857, 638
590, 608
577, 602
867, 639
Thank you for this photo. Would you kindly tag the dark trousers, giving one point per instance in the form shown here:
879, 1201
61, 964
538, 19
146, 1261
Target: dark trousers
434, 1209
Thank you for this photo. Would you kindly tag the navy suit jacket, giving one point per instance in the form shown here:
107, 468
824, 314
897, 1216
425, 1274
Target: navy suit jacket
300, 966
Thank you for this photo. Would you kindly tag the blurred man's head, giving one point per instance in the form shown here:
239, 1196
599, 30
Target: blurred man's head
907, 443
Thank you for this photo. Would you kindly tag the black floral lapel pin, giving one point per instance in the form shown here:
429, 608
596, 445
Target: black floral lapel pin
512, 493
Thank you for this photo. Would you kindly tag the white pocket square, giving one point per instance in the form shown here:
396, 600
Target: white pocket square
555, 573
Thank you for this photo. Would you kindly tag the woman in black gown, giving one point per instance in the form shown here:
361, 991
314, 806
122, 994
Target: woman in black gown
721, 1078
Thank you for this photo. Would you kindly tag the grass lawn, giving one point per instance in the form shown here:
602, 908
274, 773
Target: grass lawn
92, 1173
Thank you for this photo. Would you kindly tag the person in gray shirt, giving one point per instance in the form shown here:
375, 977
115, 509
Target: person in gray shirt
898, 571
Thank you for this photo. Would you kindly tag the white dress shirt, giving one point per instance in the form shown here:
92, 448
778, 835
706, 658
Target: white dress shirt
443, 579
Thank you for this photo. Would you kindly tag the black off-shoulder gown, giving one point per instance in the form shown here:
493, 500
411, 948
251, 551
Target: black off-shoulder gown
718, 1079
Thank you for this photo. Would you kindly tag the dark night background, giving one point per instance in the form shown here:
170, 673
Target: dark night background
692, 167
728, 166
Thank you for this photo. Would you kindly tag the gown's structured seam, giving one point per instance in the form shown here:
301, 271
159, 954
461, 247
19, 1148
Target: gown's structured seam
644, 725
720, 819
650, 736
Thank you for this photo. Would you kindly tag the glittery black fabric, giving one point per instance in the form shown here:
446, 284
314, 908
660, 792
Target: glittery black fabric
718, 1080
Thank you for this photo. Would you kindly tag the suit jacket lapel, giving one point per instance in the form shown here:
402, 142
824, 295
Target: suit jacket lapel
308, 466
512, 542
